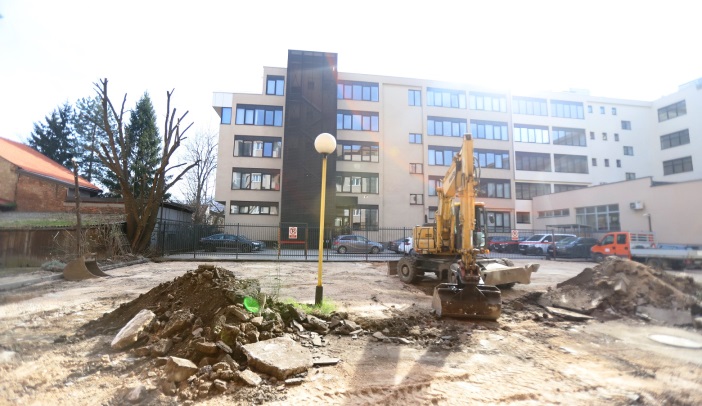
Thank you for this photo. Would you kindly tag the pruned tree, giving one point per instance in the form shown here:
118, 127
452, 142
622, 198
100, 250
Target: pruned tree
198, 183
55, 138
142, 210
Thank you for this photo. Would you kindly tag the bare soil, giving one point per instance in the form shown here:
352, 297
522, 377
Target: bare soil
55, 342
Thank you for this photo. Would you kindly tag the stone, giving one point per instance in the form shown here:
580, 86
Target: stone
142, 351
280, 357
161, 347
179, 369
229, 334
697, 322
206, 361
379, 336
238, 312
207, 348
317, 324
325, 361
221, 366
132, 331
346, 327
568, 315
177, 323
220, 385
250, 377
224, 347
294, 381
136, 394
167, 387
257, 321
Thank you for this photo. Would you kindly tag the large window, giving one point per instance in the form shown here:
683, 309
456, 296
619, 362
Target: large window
255, 179
489, 130
567, 109
264, 147
492, 158
357, 120
350, 90
365, 217
533, 161
675, 139
672, 111
226, 115
442, 156
554, 213
530, 106
488, 102
434, 183
263, 208
349, 182
447, 127
275, 85
501, 222
259, 115
565, 188
679, 165
414, 97
531, 133
496, 188
446, 98
570, 163
599, 218
569, 136
526, 191
628, 150
357, 151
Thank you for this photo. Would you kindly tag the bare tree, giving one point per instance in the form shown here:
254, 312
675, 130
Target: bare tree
198, 183
141, 210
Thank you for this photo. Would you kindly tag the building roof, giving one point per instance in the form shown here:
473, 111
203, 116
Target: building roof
31, 161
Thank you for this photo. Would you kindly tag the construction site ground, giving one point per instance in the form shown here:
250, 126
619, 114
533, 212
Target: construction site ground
404, 355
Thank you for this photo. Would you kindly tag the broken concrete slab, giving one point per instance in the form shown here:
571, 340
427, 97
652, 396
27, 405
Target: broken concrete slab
177, 323
179, 369
251, 378
280, 357
208, 348
574, 298
239, 312
670, 316
131, 332
568, 315
325, 361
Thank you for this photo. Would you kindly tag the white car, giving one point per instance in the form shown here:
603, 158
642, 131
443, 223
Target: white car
405, 246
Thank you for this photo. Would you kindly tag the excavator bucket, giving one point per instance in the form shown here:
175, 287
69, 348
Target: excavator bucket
80, 269
470, 301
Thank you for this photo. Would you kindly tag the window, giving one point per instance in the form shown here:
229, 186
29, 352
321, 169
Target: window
531, 134
606, 163
415, 138
594, 161
599, 218
604, 136
589, 109
442, 156
365, 217
446, 98
675, 139
616, 137
554, 213
255, 179
630, 176
672, 111
525, 191
275, 85
628, 150
602, 110
263, 208
416, 199
416, 168
502, 222
489, 130
679, 165
530, 106
357, 120
523, 217
567, 109
434, 183
557, 188
495, 188
492, 158
488, 102
569, 136
431, 214
570, 163
533, 161
226, 115
259, 115
614, 111
350, 90
626, 125
350, 182
619, 163
264, 147
357, 151
414, 97
592, 135
447, 127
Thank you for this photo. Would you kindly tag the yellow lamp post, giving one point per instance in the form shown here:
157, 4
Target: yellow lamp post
325, 144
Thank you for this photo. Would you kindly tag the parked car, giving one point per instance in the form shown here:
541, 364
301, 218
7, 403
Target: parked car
239, 243
356, 243
572, 247
538, 244
497, 242
394, 245
406, 246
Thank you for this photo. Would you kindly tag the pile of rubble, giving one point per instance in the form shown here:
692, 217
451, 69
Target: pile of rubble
622, 288
202, 341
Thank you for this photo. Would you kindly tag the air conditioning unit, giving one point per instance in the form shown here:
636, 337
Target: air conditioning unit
637, 205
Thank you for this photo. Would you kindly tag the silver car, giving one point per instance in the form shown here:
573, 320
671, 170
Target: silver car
356, 243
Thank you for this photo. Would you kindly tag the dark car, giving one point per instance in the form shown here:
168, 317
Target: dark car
356, 243
497, 242
239, 243
396, 245
572, 247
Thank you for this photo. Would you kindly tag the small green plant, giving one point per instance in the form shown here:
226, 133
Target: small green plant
325, 309
53, 266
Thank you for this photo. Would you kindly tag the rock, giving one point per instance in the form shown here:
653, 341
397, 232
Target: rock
161, 347
136, 394
317, 341
168, 387
404, 340
347, 327
697, 322
317, 324
320, 362
177, 323
179, 369
280, 357
250, 377
568, 315
206, 348
224, 347
257, 321
161, 361
221, 366
294, 381
298, 326
252, 336
131, 332
142, 351
220, 385
8, 357
207, 361
238, 312
229, 334
233, 365
379, 336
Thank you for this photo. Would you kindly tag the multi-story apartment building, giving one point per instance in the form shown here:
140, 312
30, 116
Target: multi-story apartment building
396, 138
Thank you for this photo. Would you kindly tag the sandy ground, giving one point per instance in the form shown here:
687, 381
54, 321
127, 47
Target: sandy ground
526, 358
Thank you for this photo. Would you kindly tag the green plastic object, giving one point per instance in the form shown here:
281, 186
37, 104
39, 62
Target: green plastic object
251, 304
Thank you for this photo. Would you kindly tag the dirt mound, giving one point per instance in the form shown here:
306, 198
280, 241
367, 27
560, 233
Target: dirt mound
619, 287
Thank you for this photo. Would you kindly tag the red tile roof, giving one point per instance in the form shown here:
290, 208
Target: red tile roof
35, 162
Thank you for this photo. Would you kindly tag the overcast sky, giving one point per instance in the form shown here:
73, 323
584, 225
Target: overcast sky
53, 51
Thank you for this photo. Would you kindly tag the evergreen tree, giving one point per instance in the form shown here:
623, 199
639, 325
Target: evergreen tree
144, 144
55, 138
89, 135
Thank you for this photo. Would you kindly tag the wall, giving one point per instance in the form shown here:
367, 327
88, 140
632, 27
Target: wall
8, 175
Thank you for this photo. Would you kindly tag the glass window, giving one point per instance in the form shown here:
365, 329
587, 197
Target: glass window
352, 90
675, 139
257, 115
567, 109
672, 111
226, 115
275, 85
488, 102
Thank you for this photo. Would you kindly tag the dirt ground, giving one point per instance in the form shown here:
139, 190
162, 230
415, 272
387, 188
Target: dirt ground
527, 357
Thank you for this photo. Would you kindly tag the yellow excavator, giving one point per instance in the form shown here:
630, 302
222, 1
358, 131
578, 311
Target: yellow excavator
454, 248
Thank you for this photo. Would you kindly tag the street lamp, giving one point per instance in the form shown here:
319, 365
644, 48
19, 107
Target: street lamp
325, 144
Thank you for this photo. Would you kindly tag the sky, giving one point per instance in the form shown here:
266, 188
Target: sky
52, 52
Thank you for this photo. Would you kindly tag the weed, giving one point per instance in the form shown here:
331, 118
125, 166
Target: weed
325, 309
